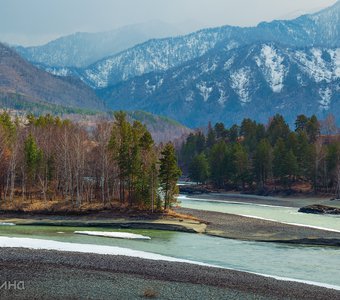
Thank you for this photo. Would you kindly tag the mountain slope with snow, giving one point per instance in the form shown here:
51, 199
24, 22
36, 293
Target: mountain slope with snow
254, 81
226, 73
82, 49
157, 55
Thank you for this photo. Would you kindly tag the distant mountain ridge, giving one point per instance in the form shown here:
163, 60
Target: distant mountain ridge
287, 72
158, 55
227, 73
82, 49
19, 79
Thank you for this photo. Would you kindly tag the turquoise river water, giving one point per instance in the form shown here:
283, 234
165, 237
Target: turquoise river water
306, 263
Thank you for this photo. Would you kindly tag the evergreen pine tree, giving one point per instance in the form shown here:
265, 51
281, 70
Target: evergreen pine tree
199, 168
169, 174
263, 162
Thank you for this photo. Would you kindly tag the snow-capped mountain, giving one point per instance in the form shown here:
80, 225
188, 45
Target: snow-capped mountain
154, 55
226, 73
226, 85
157, 55
82, 49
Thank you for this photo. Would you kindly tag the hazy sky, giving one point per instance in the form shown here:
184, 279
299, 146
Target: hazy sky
31, 22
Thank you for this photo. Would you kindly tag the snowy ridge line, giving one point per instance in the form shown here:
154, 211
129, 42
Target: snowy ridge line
38, 244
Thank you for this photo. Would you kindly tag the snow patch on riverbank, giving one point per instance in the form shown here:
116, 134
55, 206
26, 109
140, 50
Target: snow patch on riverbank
40, 244
118, 235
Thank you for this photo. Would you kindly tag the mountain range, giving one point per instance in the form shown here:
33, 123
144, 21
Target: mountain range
157, 55
222, 74
83, 48
255, 81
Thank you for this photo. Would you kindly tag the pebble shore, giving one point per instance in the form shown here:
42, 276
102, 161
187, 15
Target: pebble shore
63, 275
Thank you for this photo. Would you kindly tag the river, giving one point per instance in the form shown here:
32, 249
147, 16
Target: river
288, 215
305, 263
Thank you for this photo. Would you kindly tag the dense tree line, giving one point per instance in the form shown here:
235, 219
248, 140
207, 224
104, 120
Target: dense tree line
255, 156
48, 158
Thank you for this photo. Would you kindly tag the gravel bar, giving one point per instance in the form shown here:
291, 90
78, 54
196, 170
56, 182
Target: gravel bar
252, 229
64, 275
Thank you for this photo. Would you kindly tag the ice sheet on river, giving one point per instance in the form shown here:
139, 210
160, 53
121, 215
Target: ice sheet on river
118, 235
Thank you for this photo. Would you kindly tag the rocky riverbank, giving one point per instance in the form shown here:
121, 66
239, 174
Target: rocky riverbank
64, 275
320, 209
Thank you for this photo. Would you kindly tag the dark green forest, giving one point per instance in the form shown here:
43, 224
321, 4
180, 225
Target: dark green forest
259, 158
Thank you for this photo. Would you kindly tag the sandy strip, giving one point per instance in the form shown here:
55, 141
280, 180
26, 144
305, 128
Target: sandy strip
293, 224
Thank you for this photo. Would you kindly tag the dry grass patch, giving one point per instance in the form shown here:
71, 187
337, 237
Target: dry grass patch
150, 293
176, 215
55, 205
